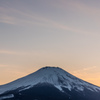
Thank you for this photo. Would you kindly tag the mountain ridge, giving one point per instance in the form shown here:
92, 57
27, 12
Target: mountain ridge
53, 78
50, 75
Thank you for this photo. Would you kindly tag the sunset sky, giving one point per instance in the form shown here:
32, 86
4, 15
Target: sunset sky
38, 33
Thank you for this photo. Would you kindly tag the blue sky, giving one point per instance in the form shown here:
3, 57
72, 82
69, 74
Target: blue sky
38, 33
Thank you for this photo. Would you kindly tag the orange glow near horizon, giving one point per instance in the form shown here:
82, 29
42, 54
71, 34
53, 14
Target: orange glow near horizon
63, 33
13, 74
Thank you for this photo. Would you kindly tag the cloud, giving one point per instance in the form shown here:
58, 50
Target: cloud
89, 68
80, 8
84, 70
83, 7
88, 74
13, 52
24, 53
41, 21
7, 19
19, 17
7, 52
77, 5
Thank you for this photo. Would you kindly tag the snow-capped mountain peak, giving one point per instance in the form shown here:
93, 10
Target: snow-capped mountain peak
52, 75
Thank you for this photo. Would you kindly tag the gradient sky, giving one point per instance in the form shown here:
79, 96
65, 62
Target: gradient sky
38, 33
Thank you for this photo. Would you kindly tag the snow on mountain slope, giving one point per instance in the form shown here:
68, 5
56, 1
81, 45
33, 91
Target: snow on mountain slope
53, 75
7, 97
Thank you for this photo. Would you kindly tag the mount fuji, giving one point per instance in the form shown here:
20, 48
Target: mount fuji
49, 83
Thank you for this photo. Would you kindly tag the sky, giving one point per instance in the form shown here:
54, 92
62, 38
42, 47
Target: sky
60, 33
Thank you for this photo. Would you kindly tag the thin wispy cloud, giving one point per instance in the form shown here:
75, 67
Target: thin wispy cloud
80, 8
85, 8
84, 69
7, 20
77, 6
35, 19
23, 53
84, 72
41, 22
87, 74
89, 68
28, 17
7, 52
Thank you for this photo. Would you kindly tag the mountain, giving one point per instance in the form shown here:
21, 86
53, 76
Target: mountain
49, 83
